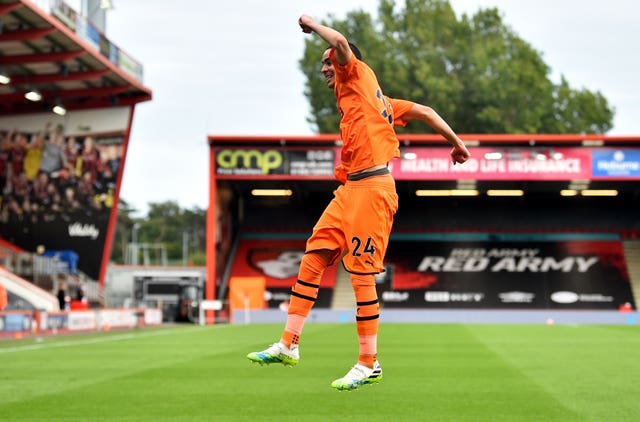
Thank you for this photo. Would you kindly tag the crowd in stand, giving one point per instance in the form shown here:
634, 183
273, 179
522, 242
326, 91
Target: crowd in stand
48, 175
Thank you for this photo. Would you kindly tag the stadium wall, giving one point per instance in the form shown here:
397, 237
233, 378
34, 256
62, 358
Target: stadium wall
18, 324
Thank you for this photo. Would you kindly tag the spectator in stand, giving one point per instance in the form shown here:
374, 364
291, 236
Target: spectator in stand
4, 212
57, 206
31, 211
81, 294
33, 156
21, 187
54, 131
90, 158
111, 156
85, 189
53, 156
18, 154
65, 180
16, 215
70, 203
72, 152
63, 297
106, 181
5, 155
52, 206
41, 190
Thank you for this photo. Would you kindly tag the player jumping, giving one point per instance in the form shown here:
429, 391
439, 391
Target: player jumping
357, 222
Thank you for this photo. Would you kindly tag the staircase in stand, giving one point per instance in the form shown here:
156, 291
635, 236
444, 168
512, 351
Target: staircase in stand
343, 297
632, 256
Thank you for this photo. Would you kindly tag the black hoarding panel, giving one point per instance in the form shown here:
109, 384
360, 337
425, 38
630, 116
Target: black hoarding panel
508, 275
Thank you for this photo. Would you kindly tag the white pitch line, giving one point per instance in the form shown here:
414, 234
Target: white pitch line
81, 342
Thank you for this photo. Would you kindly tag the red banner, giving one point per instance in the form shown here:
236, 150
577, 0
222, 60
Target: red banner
277, 261
494, 164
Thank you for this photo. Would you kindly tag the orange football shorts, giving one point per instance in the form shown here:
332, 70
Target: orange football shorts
357, 223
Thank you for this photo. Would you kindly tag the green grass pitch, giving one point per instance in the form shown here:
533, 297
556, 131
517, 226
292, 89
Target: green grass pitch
431, 373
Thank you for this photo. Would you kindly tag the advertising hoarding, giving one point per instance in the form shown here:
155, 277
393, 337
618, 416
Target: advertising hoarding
508, 275
434, 163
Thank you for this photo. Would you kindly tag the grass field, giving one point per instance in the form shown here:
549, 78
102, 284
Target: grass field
431, 373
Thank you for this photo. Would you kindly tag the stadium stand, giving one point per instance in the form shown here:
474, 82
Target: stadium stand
66, 107
560, 232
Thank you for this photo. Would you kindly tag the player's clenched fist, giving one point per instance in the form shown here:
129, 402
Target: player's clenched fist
305, 23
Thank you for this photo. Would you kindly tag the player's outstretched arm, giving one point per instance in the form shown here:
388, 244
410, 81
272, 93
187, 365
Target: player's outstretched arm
334, 38
459, 152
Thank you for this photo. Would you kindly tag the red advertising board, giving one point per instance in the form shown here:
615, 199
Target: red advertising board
275, 260
278, 262
494, 164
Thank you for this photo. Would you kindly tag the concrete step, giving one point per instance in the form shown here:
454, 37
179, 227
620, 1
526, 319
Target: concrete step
632, 256
343, 297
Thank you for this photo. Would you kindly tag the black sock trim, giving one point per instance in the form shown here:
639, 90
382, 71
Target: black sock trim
309, 298
304, 283
367, 318
371, 302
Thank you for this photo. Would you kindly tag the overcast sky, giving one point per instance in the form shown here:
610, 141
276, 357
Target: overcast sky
231, 68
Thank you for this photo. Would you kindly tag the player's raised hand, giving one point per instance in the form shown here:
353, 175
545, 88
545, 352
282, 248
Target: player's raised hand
459, 154
305, 23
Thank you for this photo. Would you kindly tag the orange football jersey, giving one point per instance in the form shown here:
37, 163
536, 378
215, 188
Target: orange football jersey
368, 116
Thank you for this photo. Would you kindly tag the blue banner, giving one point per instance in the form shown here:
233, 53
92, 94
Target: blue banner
57, 321
615, 162
12, 323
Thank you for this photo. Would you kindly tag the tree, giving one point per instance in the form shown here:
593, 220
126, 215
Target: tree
475, 71
165, 223
169, 224
124, 226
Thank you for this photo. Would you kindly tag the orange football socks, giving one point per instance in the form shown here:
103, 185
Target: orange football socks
303, 296
367, 317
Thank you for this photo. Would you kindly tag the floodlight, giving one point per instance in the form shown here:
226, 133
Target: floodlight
59, 109
33, 95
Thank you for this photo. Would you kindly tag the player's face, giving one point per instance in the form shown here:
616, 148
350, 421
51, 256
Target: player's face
327, 69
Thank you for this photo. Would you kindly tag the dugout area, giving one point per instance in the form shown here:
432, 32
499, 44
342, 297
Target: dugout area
531, 222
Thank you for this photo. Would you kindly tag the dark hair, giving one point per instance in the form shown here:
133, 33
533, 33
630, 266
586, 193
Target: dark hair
355, 50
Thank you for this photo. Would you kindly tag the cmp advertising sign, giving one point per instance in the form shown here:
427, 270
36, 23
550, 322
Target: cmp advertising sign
262, 162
